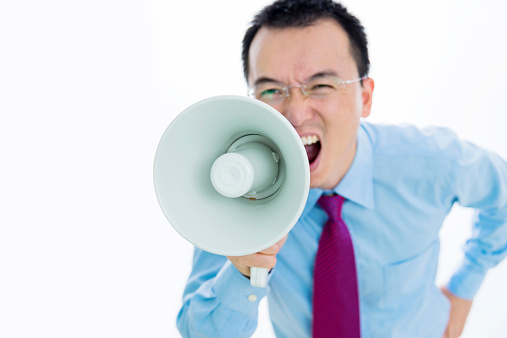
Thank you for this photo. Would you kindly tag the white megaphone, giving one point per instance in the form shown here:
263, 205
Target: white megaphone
232, 177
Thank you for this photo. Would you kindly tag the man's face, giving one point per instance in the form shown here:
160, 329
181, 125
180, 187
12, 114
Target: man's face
292, 56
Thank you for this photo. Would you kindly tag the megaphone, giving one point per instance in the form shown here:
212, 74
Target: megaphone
232, 177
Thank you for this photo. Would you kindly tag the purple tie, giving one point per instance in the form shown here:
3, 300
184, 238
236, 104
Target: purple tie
335, 295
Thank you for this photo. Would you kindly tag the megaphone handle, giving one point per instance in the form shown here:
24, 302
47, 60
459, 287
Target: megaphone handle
259, 277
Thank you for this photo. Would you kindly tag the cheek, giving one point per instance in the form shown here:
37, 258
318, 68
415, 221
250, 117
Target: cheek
338, 113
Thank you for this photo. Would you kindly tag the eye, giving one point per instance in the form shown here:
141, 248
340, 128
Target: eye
321, 89
318, 86
269, 93
322, 85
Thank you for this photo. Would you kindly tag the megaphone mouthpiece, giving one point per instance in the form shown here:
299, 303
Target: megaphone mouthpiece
249, 169
232, 175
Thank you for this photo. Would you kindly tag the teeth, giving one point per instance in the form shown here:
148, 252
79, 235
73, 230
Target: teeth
307, 140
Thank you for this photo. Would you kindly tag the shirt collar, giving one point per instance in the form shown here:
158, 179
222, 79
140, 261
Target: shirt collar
357, 184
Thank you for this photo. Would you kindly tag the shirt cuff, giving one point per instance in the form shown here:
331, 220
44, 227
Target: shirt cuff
465, 282
235, 292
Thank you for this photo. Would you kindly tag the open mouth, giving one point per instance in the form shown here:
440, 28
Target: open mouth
312, 147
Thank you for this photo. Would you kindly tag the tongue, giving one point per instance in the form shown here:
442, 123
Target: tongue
312, 151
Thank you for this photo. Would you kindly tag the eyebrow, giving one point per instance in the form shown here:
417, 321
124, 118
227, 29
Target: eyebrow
264, 79
317, 75
328, 72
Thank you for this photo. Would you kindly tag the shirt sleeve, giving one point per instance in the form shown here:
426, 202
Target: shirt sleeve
218, 300
480, 183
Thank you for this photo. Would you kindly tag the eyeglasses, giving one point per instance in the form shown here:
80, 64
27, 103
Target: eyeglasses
321, 87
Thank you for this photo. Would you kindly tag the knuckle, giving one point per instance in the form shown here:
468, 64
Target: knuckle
257, 260
263, 261
273, 263
276, 248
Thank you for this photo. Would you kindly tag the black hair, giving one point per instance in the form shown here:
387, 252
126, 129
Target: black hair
303, 13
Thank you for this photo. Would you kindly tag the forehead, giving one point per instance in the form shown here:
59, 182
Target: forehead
297, 53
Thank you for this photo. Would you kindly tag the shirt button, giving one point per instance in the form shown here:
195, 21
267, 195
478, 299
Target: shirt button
252, 298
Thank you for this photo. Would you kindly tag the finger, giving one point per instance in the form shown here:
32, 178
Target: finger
282, 241
260, 260
272, 250
275, 248
243, 263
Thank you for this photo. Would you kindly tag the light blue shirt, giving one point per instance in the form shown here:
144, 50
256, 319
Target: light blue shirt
401, 185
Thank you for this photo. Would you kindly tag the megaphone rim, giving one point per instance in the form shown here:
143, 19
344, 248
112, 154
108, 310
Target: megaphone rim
275, 114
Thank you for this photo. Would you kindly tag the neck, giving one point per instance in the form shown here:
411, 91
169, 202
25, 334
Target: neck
341, 170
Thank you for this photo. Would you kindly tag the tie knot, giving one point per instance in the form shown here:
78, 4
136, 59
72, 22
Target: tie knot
332, 205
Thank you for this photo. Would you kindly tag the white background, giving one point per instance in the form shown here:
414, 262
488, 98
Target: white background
87, 89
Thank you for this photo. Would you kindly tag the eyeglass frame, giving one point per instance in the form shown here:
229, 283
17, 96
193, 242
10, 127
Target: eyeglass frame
286, 89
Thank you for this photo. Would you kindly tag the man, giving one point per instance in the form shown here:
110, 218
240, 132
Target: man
309, 60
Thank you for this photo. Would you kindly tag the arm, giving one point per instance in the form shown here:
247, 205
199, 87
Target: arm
218, 300
458, 316
480, 183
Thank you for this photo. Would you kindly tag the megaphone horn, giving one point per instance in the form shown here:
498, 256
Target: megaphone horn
232, 177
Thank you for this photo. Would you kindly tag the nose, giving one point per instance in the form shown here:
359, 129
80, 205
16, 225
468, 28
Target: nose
296, 108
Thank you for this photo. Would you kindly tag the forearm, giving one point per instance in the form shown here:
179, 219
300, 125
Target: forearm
207, 317
484, 250
481, 184
218, 300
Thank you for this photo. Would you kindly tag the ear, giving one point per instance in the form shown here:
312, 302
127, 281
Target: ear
367, 95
